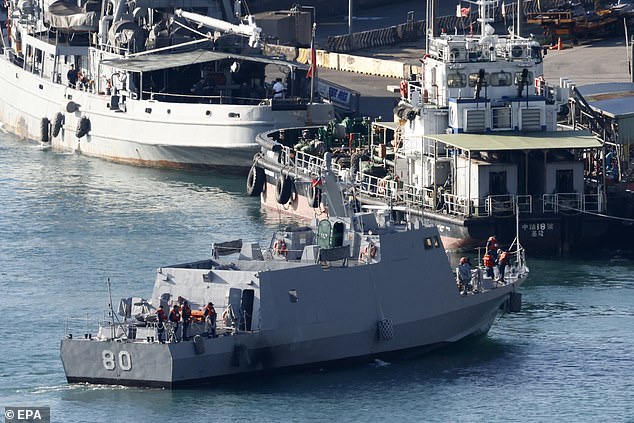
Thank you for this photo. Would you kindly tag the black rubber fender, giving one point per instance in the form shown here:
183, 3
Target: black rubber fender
283, 189
71, 107
57, 123
83, 127
45, 129
255, 181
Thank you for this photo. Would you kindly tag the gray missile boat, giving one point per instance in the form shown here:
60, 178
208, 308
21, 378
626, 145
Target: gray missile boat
354, 286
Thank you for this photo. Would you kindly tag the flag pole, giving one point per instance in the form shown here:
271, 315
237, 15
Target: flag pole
313, 65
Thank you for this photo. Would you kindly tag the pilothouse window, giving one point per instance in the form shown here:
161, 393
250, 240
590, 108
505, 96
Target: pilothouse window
518, 78
432, 242
456, 80
292, 295
473, 79
501, 79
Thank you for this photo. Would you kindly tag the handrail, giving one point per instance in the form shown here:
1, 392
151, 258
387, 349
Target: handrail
216, 99
378, 187
301, 162
398, 193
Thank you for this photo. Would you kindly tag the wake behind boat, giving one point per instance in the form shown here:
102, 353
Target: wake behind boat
355, 286
169, 84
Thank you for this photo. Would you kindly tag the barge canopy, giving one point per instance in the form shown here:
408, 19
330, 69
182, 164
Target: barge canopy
519, 141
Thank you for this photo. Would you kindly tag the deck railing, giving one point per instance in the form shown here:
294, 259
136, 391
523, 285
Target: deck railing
398, 193
305, 163
385, 189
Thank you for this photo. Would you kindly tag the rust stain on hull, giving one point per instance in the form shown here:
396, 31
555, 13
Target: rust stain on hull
166, 164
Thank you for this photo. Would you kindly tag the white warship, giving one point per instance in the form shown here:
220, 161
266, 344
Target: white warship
156, 83
355, 286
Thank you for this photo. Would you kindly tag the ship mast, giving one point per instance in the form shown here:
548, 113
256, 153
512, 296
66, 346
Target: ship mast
486, 15
430, 22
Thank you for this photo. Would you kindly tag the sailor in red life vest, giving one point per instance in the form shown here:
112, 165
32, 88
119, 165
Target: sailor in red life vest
175, 318
488, 263
210, 320
491, 251
187, 317
160, 327
503, 261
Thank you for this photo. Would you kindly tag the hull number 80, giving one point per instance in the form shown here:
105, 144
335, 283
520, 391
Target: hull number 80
110, 360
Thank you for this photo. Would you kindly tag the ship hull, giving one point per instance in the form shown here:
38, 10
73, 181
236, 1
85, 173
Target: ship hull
146, 132
542, 234
230, 357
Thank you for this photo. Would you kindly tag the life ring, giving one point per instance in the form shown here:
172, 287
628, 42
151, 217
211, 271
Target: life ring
403, 87
280, 248
283, 189
540, 82
255, 181
380, 186
45, 129
314, 196
369, 251
83, 127
57, 124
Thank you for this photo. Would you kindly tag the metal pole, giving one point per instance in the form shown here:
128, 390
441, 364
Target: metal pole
350, 8
313, 65
519, 18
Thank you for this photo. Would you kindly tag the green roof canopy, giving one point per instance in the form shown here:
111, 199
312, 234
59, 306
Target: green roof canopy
519, 141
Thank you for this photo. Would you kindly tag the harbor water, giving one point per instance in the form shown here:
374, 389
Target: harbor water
68, 223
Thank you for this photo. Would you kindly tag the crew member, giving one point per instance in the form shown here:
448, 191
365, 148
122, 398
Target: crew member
187, 317
71, 75
488, 264
492, 244
463, 275
175, 318
503, 261
278, 88
162, 318
491, 251
210, 320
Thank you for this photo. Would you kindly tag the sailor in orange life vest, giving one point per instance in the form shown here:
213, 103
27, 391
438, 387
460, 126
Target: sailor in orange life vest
210, 320
488, 263
280, 248
491, 252
503, 261
160, 327
175, 318
187, 317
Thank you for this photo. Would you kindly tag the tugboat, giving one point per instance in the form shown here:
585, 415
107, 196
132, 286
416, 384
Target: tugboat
313, 295
474, 142
182, 84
